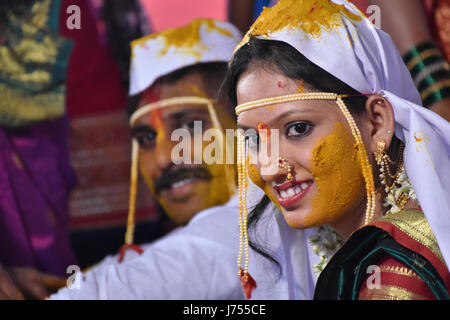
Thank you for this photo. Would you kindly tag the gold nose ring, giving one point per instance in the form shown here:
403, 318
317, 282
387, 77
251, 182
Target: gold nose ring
282, 163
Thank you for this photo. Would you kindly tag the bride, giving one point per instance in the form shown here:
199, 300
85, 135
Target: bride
357, 151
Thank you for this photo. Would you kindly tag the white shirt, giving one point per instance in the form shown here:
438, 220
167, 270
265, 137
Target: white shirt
198, 261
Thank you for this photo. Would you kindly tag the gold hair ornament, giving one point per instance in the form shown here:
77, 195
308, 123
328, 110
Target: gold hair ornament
231, 184
242, 165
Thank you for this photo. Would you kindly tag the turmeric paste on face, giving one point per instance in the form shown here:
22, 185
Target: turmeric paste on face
254, 175
338, 176
301, 87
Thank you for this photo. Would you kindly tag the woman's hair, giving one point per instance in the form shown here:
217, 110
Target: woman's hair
291, 63
269, 54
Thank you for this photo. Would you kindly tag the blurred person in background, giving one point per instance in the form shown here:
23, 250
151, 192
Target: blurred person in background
35, 172
97, 85
186, 64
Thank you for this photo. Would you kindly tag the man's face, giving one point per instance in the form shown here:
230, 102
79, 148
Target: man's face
185, 189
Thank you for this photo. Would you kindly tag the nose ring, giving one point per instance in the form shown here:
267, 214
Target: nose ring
282, 163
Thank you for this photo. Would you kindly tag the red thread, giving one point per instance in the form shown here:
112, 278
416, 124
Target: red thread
248, 283
125, 247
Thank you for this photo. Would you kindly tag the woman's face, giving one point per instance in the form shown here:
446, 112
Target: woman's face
315, 140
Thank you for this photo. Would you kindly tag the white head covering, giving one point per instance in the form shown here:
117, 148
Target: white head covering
203, 40
364, 57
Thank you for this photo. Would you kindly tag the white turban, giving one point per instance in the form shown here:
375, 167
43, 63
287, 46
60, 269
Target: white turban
201, 41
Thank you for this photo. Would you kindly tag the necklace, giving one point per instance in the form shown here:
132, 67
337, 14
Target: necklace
327, 241
397, 197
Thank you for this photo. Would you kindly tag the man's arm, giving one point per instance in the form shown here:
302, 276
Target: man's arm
194, 262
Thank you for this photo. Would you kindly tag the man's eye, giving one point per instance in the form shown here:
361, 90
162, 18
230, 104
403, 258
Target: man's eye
190, 125
146, 140
298, 129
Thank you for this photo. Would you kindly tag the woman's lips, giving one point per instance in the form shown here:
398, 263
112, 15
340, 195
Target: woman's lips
289, 193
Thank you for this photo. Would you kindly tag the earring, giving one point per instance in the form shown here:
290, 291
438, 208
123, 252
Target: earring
282, 163
384, 162
379, 153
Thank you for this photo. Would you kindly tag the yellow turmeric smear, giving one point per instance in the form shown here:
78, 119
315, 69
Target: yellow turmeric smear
338, 176
186, 37
416, 138
157, 122
254, 175
198, 92
311, 16
301, 87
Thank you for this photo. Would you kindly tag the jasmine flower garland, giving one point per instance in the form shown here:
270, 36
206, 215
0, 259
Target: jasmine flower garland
325, 244
394, 195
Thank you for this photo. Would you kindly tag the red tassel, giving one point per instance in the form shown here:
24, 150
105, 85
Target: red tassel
248, 283
125, 247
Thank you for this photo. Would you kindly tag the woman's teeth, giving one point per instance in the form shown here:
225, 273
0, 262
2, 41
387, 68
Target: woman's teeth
292, 191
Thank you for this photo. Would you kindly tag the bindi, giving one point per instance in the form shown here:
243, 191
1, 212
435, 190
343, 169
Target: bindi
281, 84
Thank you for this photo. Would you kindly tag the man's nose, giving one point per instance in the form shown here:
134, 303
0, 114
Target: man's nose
163, 154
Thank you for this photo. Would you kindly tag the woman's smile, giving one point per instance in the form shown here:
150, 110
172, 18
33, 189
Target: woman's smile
290, 193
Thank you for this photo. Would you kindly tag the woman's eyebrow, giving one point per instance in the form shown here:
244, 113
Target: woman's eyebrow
287, 114
279, 117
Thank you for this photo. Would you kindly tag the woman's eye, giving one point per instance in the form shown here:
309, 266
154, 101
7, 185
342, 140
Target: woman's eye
253, 140
146, 140
298, 129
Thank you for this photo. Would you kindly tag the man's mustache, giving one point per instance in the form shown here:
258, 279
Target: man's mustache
169, 177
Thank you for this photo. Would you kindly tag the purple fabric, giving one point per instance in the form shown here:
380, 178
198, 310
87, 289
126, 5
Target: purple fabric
34, 215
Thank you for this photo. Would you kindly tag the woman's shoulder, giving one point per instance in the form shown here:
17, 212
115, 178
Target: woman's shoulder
399, 247
410, 229
392, 280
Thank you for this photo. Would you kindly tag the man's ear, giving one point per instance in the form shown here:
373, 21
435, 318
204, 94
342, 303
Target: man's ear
380, 116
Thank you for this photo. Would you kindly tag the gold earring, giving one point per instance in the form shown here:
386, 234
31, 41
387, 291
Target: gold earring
384, 161
282, 163
381, 144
